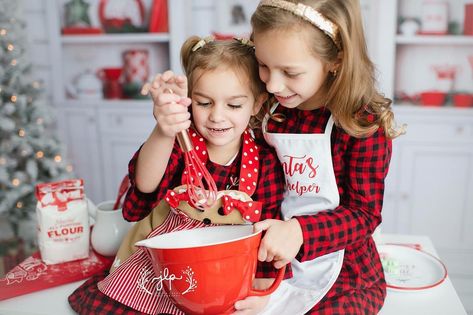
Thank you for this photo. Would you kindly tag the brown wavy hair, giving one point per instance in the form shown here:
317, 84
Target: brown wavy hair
229, 53
351, 93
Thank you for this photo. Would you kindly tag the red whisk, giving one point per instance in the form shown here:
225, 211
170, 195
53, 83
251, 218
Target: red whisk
201, 186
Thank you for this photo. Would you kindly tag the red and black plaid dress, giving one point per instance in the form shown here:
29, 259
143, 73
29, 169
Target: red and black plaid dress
360, 166
87, 299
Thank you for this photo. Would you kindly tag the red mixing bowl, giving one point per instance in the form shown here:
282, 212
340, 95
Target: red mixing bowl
206, 270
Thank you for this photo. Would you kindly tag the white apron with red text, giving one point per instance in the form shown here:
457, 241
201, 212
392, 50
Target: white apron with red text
310, 187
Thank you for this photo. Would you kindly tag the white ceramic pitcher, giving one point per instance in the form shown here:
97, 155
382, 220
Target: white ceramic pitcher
109, 229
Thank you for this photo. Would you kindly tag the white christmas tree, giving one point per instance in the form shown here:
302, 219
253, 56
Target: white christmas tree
29, 151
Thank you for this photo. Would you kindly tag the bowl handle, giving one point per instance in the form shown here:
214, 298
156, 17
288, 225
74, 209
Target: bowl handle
273, 286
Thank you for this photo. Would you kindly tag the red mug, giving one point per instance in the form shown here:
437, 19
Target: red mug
112, 88
206, 270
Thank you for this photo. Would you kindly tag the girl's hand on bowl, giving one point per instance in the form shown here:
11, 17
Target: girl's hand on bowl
282, 241
251, 305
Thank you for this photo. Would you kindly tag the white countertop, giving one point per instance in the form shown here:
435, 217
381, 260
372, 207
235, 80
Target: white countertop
439, 300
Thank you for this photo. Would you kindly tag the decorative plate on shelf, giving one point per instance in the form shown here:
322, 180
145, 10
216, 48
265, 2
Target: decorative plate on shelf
410, 269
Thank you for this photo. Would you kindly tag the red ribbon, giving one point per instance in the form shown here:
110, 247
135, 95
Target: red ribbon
174, 198
250, 210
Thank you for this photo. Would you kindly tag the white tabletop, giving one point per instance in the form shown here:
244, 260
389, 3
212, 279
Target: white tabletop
440, 300
51, 301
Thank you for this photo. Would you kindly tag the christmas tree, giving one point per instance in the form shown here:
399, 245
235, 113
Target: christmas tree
30, 153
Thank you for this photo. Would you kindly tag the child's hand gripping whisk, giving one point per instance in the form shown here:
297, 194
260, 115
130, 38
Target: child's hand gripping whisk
201, 186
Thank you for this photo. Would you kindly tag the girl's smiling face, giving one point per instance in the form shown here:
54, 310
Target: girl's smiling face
289, 68
222, 105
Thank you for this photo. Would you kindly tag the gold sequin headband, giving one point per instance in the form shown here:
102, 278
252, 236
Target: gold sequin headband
201, 43
307, 13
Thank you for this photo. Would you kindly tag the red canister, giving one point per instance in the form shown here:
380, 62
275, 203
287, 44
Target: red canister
136, 66
463, 100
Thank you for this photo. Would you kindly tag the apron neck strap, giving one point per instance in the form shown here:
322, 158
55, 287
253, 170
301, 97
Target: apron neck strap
199, 145
267, 116
329, 126
249, 165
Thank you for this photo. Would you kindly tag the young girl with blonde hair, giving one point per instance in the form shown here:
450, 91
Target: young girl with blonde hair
332, 131
226, 94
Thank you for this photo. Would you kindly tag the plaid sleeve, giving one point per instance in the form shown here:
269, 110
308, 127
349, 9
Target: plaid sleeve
361, 186
270, 191
138, 204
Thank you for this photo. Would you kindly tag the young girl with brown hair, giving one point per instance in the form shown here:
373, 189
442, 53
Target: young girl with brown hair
332, 131
225, 95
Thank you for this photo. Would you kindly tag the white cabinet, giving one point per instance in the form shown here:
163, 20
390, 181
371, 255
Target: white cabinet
429, 185
122, 132
100, 140
431, 177
79, 132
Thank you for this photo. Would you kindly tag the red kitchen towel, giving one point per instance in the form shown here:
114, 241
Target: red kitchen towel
34, 275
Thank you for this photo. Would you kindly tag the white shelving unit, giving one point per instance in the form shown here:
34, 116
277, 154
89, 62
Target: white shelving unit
101, 135
116, 38
405, 62
455, 40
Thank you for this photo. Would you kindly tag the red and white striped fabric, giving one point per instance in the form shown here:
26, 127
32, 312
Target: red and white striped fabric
132, 282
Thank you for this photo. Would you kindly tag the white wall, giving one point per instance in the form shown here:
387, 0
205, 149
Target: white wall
35, 17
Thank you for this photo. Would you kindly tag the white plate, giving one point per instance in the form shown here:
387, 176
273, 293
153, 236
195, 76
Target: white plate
409, 269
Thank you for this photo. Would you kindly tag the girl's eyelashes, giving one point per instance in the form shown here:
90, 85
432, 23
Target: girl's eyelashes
291, 74
286, 73
202, 103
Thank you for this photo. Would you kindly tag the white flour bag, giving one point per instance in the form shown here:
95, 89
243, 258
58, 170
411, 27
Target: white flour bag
63, 221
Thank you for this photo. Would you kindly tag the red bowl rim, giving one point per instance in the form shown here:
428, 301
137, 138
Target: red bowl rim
171, 234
